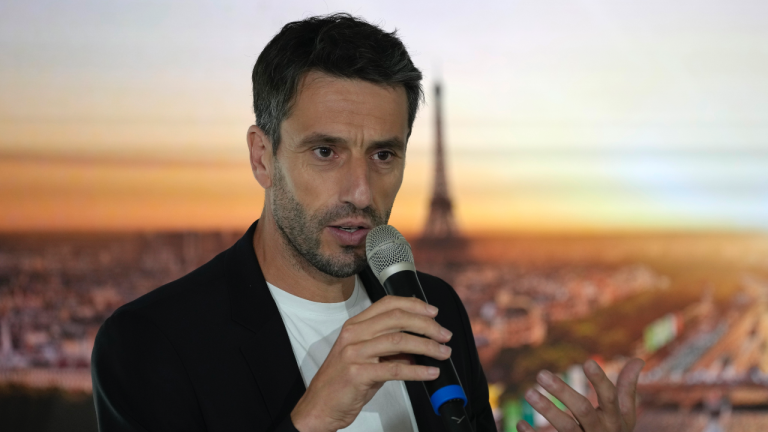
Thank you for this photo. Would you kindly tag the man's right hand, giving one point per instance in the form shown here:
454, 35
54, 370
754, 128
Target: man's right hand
357, 365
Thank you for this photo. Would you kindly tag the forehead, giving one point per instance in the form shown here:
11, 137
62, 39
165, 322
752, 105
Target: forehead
328, 102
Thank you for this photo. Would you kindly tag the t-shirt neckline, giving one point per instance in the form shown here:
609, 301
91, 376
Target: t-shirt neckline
302, 305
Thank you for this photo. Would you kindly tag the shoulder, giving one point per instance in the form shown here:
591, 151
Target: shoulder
182, 295
452, 313
148, 340
440, 293
138, 364
177, 310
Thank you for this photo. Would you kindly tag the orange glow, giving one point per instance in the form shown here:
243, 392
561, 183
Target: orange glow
61, 194
111, 196
84, 196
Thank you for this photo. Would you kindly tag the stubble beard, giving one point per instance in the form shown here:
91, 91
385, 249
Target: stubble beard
302, 231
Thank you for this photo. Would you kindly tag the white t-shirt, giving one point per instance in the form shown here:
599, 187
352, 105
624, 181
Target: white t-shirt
313, 329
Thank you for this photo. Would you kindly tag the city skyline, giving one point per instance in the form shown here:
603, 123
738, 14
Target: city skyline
692, 306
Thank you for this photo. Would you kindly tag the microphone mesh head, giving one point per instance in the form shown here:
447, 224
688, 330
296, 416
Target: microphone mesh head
385, 246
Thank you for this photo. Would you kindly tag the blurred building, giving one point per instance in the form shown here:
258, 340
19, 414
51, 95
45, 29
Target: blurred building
57, 289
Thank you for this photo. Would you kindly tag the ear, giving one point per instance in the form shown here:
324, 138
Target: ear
260, 150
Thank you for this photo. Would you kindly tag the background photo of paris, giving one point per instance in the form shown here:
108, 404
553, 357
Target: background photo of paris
591, 178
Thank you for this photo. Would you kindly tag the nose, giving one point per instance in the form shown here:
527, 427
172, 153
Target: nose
356, 188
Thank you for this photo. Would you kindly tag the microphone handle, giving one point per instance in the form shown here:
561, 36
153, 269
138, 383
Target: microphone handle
445, 392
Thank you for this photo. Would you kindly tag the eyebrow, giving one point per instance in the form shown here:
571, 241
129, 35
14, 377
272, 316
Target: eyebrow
319, 138
394, 143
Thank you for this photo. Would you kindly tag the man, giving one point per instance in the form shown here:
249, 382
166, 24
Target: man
279, 332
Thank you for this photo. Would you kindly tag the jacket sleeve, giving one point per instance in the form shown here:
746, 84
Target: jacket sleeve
139, 381
481, 415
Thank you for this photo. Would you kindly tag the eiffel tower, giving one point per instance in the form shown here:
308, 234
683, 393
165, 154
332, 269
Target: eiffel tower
440, 228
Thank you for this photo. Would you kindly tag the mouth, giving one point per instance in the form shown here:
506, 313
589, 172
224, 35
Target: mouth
352, 225
350, 233
350, 229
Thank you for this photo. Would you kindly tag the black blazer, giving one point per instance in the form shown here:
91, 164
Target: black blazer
209, 352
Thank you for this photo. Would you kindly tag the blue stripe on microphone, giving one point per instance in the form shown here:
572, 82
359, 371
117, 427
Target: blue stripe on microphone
445, 394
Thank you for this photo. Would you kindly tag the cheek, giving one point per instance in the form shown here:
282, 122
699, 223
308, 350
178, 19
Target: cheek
312, 188
319, 189
386, 188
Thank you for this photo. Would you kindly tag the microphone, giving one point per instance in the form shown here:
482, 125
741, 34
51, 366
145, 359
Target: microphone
391, 260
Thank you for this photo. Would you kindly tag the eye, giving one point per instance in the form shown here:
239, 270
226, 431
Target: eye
383, 155
323, 152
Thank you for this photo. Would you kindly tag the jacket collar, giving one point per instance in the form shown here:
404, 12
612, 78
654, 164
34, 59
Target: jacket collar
269, 353
252, 306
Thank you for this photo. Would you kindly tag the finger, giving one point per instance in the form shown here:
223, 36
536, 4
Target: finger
410, 304
606, 393
401, 358
523, 426
397, 320
395, 343
560, 420
402, 320
580, 406
626, 386
391, 371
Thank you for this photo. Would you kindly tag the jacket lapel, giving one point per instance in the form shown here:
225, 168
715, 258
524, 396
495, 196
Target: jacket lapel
268, 352
276, 374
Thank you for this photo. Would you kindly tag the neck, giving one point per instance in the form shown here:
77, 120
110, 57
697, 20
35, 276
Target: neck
286, 269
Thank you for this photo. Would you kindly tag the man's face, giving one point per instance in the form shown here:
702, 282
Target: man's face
338, 168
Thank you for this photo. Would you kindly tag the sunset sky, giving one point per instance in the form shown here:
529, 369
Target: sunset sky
560, 115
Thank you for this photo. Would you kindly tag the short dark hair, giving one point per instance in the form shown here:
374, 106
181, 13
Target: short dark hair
339, 45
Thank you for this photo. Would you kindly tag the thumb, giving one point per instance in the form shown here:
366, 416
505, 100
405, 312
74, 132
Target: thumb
626, 387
